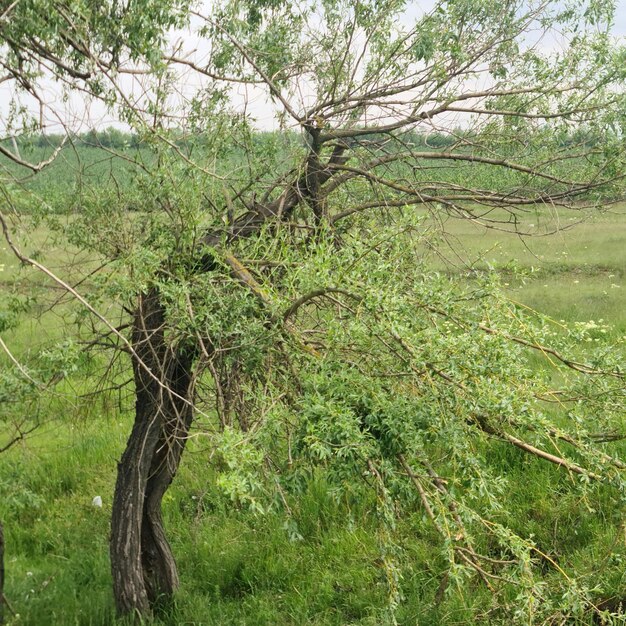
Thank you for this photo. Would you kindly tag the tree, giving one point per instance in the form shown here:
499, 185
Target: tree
257, 281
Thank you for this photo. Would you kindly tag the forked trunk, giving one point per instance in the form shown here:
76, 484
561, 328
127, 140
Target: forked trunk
142, 563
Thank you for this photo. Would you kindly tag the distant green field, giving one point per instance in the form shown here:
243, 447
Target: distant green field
576, 274
74, 170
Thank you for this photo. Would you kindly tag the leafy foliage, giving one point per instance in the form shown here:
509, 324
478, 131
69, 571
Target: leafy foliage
273, 288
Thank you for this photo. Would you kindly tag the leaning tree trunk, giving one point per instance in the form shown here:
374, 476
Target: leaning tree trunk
159, 567
141, 559
142, 563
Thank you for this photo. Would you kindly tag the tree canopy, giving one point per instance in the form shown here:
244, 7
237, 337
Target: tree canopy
270, 290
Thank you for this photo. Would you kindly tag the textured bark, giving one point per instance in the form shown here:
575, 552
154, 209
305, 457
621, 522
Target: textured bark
142, 563
314, 172
159, 566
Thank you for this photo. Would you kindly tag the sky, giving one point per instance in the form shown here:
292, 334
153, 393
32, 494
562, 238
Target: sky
620, 19
80, 115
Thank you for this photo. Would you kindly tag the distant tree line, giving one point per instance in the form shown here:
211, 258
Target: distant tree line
108, 138
116, 139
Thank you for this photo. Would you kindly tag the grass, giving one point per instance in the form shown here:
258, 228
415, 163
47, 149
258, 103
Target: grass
237, 568
244, 569
578, 274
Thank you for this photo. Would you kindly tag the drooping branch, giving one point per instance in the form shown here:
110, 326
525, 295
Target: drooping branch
81, 299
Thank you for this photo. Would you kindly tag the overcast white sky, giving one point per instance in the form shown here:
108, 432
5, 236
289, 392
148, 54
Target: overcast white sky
80, 115
620, 19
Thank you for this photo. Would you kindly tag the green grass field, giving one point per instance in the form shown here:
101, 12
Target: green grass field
244, 569
577, 274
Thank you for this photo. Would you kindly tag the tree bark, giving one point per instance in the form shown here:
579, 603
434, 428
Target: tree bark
142, 562
159, 566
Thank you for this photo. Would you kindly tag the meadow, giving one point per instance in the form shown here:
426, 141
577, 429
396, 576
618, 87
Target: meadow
322, 566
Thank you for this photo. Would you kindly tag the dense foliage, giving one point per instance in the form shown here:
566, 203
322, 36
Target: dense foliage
272, 293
